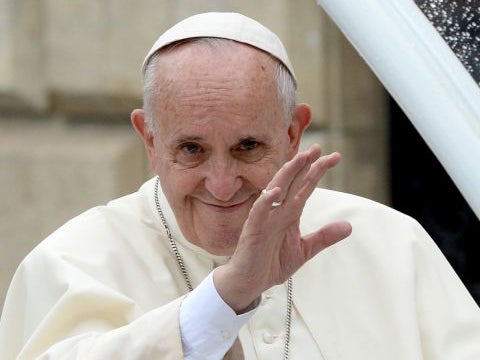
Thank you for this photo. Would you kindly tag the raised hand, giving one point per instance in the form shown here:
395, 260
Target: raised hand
271, 247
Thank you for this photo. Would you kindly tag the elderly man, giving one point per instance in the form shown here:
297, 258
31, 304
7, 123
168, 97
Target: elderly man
214, 257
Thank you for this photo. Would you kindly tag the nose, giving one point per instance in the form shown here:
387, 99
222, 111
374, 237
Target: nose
223, 179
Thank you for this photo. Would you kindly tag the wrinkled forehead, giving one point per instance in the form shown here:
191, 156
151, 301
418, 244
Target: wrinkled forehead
196, 83
189, 55
210, 64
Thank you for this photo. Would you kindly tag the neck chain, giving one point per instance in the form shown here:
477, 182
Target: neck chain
188, 283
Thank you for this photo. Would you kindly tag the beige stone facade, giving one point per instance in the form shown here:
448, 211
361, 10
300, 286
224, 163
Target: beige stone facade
70, 75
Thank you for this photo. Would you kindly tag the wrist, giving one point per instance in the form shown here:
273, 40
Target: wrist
236, 292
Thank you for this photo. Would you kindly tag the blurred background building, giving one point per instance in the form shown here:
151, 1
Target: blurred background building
70, 76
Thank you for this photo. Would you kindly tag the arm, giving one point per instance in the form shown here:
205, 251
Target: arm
54, 310
208, 325
85, 319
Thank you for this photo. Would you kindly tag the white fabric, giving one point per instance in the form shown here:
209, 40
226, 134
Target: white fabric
264, 335
208, 325
224, 25
106, 286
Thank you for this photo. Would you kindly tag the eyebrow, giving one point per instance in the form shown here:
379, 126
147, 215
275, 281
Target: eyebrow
184, 139
262, 138
248, 138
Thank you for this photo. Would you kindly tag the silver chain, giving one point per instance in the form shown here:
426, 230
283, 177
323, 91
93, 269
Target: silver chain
183, 270
173, 244
288, 319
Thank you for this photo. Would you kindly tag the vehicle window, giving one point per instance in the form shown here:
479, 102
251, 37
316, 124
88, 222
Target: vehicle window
458, 22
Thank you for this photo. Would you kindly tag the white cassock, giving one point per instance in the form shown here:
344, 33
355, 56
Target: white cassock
107, 286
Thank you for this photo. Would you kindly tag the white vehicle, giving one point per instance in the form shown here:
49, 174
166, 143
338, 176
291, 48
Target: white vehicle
430, 64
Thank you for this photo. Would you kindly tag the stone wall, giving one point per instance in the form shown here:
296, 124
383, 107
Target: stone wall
70, 75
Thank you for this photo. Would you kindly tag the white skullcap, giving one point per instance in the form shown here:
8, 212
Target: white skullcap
224, 25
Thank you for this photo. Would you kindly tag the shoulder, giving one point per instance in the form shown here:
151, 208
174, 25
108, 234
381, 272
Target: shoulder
383, 240
103, 230
328, 205
379, 233
116, 247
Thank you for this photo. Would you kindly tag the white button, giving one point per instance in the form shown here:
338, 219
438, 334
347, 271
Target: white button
225, 334
268, 338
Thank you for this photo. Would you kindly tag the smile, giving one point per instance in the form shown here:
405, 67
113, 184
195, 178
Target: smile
225, 208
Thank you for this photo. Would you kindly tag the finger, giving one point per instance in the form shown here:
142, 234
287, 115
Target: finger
288, 171
306, 181
293, 169
308, 175
303, 189
261, 208
313, 155
326, 236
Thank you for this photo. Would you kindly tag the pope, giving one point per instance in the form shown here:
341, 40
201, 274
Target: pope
230, 251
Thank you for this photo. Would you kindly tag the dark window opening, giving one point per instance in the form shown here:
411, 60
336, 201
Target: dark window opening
422, 189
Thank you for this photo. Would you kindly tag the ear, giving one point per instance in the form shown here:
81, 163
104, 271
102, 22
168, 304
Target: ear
138, 121
301, 119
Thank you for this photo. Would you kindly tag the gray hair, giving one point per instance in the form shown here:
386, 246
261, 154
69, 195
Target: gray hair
285, 83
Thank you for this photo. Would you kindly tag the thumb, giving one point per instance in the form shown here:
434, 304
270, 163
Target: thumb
326, 236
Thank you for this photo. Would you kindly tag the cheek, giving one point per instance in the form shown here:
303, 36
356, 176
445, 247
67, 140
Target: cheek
260, 175
178, 184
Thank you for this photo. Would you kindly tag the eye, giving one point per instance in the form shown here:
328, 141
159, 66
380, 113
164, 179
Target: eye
189, 154
248, 144
249, 150
191, 148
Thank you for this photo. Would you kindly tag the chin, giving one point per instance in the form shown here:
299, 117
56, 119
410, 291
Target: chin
222, 243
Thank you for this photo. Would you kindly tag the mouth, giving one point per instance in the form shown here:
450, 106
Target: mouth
226, 207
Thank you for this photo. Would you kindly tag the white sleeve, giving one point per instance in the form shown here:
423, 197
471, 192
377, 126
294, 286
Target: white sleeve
208, 326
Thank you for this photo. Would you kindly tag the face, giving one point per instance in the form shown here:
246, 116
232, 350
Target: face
220, 135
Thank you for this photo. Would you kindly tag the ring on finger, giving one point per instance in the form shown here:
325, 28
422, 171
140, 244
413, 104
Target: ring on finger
274, 203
